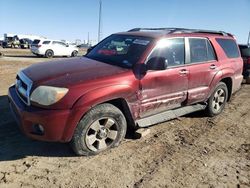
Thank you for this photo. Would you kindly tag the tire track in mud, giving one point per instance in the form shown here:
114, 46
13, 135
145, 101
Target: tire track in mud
184, 138
188, 140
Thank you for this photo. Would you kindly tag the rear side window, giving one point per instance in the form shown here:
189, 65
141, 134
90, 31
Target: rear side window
46, 42
59, 43
230, 47
36, 42
201, 50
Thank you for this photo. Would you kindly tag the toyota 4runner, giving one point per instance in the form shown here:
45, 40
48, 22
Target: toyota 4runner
132, 79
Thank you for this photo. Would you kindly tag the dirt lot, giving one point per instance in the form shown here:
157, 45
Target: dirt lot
193, 151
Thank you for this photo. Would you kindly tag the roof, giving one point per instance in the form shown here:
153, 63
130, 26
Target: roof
160, 32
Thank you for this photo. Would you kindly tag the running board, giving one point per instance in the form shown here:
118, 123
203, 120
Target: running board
168, 115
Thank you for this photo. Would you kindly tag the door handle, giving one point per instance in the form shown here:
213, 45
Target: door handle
183, 71
213, 66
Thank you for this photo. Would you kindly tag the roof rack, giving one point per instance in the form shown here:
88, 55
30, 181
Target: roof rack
181, 30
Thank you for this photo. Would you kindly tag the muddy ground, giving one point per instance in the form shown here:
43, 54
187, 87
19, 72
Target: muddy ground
193, 151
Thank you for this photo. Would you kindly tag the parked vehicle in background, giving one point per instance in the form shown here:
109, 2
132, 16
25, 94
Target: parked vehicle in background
84, 46
50, 48
11, 42
136, 78
245, 53
18, 40
25, 43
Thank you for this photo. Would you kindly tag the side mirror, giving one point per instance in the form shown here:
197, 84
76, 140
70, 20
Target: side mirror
67, 45
157, 63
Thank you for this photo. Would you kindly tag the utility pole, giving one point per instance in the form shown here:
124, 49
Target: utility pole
88, 38
100, 20
248, 41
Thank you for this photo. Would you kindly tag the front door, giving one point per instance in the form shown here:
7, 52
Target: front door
162, 90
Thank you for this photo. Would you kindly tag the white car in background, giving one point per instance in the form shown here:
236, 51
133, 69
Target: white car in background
51, 48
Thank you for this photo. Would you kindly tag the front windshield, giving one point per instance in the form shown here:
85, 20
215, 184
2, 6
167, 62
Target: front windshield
120, 50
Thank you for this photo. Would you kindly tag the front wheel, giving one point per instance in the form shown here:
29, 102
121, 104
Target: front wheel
218, 99
103, 127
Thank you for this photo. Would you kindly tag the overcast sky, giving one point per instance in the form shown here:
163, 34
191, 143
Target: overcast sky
73, 19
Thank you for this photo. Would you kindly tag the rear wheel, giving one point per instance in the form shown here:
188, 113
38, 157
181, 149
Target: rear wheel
218, 99
74, 53
49, 54
103, 127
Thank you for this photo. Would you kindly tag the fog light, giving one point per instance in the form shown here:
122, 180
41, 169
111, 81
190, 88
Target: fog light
38, 129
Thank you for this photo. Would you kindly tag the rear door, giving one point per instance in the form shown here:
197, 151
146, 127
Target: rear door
202, 66
165, 89
59, 48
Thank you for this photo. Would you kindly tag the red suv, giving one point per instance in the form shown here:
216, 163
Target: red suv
131, 79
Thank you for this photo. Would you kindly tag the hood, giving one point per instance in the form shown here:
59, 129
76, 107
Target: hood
70, 71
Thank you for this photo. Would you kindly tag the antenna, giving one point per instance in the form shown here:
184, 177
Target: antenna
100, 21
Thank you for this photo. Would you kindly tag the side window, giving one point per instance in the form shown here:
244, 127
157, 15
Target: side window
173, 50
198, 50
230, 47
201, 50
46, 42
58, 43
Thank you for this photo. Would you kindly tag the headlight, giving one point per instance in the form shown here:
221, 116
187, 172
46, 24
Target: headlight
47, 95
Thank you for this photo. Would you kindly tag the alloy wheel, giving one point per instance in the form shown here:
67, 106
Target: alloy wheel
101, 134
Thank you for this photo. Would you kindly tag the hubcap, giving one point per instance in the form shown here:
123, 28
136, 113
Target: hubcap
218, 100
101, 134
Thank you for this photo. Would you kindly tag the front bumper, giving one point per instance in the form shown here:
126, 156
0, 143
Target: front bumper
54, 122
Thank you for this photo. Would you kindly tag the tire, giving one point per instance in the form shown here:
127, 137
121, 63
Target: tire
74, 53
102, 128
218, 100
49, 54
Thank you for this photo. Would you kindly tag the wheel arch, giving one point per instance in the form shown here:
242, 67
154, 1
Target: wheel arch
122, 104
229, 83
49, 50
90, 100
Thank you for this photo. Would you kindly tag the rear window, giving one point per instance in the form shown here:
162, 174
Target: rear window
36, 42
46, 42
230, 47
244, 50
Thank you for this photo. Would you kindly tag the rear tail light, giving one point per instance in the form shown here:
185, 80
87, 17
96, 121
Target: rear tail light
38, 46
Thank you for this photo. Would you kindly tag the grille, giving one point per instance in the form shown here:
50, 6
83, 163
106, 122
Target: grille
23, 87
